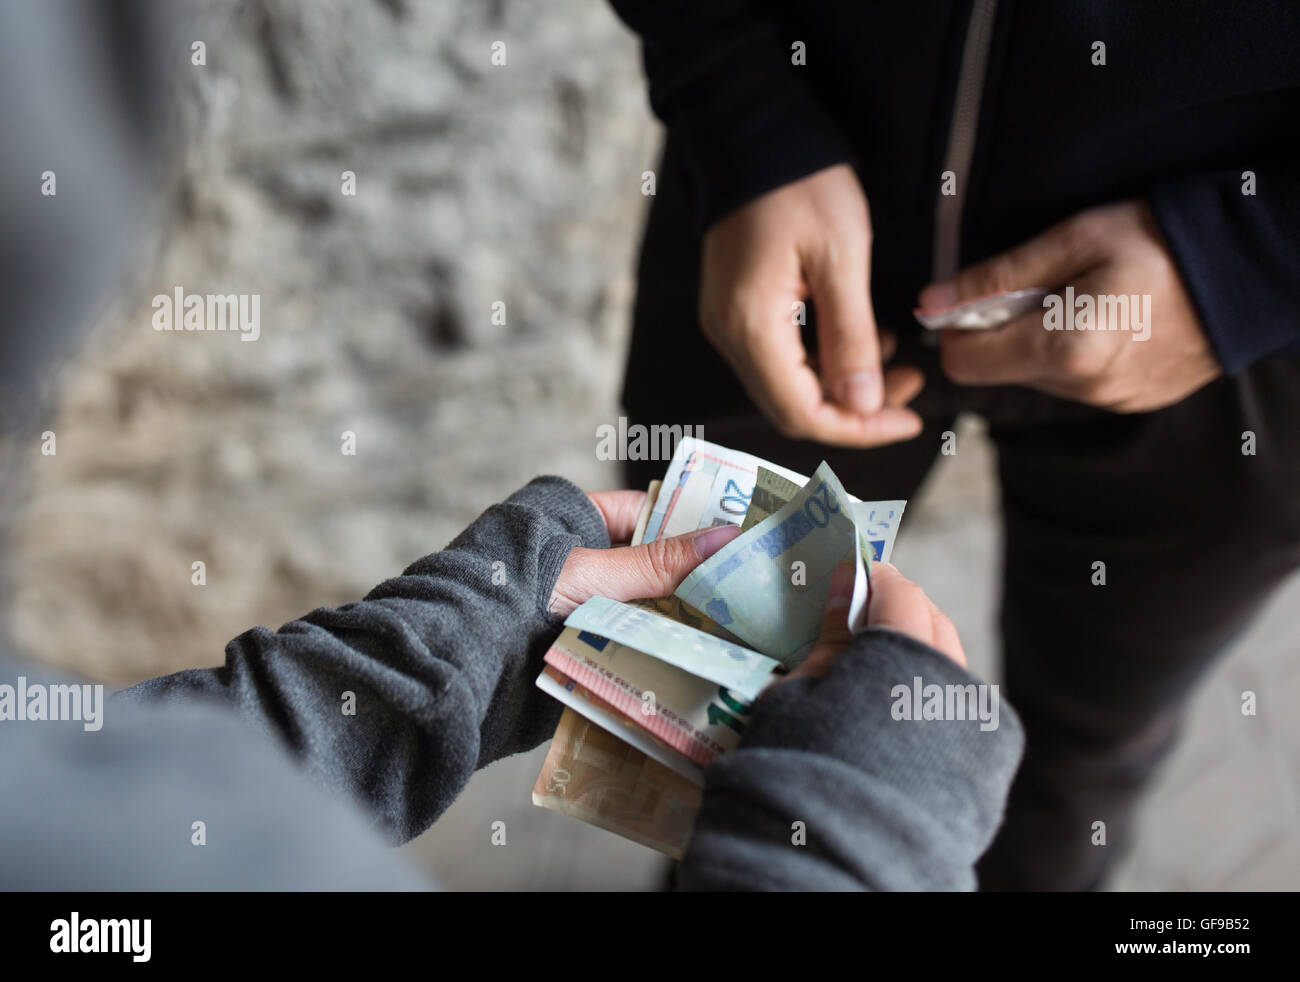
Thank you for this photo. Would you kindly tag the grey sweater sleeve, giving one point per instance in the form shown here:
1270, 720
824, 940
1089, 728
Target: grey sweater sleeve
441, 663
886, 803
120, 808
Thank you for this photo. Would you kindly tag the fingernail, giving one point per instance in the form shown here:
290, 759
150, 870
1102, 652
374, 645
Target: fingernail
938, 295
841, 592
861, 392
710, 540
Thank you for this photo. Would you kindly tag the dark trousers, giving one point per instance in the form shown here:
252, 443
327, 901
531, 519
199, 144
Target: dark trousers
1194, 535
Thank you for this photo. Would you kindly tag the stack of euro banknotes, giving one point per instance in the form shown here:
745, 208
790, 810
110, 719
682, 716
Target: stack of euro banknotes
655, 690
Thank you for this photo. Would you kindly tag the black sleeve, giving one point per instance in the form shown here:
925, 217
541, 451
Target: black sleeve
722, 79
1239, 255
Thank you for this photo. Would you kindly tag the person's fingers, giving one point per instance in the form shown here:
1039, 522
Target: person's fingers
837, 272
620, 509
946, 638
888, 345
1017, 352
898, 604
763, 346
1048, 260
835, 625
776, 373
1077, 361
752, 286
902, 383
653, 569
1020, 351
832, 425
1069, 364
901, 605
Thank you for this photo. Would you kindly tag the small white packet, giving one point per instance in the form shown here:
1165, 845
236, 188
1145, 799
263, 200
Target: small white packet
982, 313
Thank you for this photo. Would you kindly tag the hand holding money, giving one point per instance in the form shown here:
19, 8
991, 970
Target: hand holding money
675, 678
628, 572
897, 604
1115, 282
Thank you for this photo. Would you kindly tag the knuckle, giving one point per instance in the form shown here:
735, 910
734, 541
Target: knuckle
842, 249
665, 561
1080, 235
998, 275
1079, 357
726, 317
894, 586
575, 568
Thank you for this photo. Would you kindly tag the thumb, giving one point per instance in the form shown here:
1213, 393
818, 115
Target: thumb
1046, 261
652, 569
848, 349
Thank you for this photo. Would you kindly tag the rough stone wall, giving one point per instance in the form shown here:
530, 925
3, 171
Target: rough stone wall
475, 183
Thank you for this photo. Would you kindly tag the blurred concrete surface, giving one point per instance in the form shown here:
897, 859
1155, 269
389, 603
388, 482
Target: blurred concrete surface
477, 185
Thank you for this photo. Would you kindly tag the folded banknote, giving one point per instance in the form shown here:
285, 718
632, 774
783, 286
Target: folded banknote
657, 689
